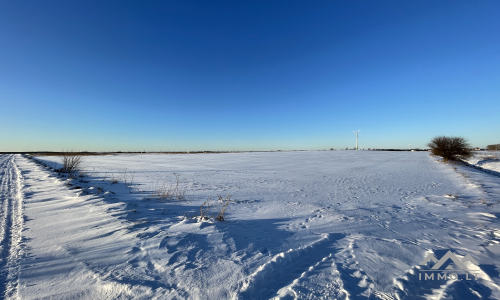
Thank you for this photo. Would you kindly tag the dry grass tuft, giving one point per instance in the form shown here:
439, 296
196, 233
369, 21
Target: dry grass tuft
206, 209
164, 190
224, 205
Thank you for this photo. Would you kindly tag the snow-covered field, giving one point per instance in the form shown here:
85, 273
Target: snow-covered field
301, 225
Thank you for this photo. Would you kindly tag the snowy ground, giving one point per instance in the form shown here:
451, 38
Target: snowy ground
488, 160
302, 225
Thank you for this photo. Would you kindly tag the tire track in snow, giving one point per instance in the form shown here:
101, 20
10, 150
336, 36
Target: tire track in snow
11, 220
277, 277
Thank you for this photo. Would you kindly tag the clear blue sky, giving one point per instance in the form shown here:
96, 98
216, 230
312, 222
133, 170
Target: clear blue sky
244, 75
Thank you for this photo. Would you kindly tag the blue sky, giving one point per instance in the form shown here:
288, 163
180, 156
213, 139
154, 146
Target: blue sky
247, 75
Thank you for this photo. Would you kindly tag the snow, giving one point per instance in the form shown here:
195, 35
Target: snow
11, 225
301, 225
488, 160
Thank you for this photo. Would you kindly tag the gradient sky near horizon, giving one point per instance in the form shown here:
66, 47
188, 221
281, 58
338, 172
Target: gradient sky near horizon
247, 75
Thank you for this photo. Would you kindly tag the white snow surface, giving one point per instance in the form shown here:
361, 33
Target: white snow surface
489, 160
302, 225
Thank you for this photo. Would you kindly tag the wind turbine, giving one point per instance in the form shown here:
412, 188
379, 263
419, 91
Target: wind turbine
356, 132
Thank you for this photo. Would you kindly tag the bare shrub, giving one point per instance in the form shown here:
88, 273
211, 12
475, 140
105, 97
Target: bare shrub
450, 148
71, 162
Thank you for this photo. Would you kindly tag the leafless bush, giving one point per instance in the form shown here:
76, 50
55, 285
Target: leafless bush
72, 162
450, 148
